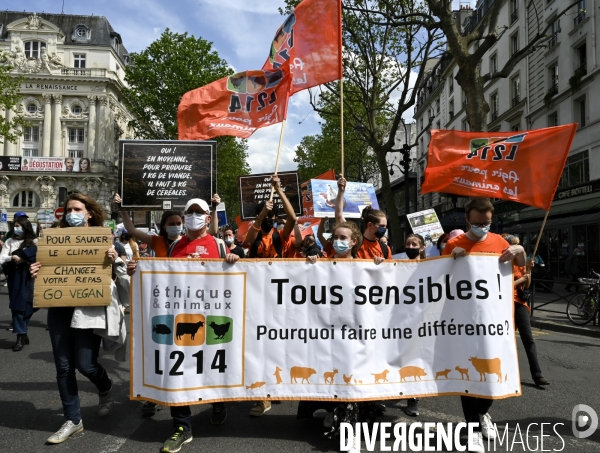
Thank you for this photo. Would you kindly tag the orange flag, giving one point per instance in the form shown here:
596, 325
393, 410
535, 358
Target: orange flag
235, 105
519, 166
311, 40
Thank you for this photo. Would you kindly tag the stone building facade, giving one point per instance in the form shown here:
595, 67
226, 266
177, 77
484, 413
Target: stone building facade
73, 68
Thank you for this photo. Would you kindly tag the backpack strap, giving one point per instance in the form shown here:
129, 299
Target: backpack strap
172, 247
277, 244
221, 246
255, 244
385, 249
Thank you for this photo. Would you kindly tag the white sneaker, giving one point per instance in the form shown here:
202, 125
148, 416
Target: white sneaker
65, 431
475, 443
487, 427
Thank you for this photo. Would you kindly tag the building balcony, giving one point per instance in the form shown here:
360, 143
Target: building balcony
553, 40
84, 72
514, 16
494, 116
579, 18
516, 100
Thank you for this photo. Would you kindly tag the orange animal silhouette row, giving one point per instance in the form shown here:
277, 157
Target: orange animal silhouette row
482, 366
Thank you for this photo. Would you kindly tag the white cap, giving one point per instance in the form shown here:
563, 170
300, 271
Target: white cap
200, 202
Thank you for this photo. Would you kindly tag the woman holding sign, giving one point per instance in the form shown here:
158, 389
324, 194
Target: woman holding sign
170, 229
74, 344
17, 254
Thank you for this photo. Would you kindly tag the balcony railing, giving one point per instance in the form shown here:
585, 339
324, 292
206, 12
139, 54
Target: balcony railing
582, 70
85, 72
579, 18
516, 100
553, 40
514, 16
494, 116
451, 113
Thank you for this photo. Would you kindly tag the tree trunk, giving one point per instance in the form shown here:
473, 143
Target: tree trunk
394, 227
477, 108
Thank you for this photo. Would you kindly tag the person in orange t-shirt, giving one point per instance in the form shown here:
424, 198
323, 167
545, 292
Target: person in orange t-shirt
374, 227
478, 212
522, 276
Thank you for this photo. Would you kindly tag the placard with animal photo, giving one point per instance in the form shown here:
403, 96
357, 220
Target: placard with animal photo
165, 174
426, 224
205, 331
254, 189
358, 195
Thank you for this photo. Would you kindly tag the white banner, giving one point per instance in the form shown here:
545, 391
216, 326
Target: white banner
207, 331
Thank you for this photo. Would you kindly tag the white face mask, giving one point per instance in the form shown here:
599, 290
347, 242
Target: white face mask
195, 222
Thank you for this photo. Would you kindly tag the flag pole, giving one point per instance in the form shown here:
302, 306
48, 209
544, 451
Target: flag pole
278, 154
342, 124
537, 243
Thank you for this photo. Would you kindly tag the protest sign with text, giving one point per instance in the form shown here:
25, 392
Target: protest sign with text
357, 196
207, 331
257, 188
426, 224
75, 270
165, 174
519, 166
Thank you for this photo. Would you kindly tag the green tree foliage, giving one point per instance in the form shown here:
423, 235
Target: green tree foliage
157, 79
9, 98
318, 153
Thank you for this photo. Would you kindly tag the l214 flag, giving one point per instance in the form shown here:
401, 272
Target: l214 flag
311, 40
236, 105
521, 166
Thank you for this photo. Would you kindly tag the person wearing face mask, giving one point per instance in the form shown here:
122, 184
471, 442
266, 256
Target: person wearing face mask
441, 242
197, 243
232, 247
374, 227
170, 229
17, 255
478, 212
75, 332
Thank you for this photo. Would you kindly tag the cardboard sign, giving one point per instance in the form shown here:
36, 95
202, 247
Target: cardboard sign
357, 196
75, 270
427, 224
165, 174
257, 188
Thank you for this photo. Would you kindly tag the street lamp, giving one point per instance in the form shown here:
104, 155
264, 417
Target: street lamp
404, 168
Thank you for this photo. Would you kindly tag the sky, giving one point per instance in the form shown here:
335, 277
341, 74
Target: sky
241, 32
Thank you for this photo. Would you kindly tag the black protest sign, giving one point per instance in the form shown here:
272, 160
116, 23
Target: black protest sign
165, 174
257, 188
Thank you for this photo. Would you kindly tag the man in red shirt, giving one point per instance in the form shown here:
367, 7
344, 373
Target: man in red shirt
479, 239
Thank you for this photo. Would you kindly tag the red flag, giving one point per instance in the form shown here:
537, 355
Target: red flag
519, 166
235, 105
311, 40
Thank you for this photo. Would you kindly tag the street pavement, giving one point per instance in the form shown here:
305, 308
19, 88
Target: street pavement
30, 407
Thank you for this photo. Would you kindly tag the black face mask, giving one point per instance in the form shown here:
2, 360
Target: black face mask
267, 225
411, 253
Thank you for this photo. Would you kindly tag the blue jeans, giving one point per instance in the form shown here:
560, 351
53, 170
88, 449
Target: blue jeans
74, 349
20, 322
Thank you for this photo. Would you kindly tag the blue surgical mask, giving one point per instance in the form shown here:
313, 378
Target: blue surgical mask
18, 231
75, 219
341, 247
480, 231
174, 230
228, 240
380, 232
